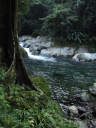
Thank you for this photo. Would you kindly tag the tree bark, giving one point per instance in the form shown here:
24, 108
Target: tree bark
9, 48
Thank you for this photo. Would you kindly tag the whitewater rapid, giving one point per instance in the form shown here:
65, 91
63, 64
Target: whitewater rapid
37, 57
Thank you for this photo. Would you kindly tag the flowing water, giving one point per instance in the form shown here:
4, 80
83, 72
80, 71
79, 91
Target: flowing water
66, 77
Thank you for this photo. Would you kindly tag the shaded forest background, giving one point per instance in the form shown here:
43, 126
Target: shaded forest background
66, 20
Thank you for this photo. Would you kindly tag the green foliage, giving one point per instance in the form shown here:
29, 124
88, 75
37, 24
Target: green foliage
55, 23
2, 71
76, 37
31, 23
60, 24
25, 108
42, 84
87, 14
23, 7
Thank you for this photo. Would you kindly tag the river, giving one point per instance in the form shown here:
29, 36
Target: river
66, 78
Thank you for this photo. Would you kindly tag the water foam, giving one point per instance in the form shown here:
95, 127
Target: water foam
37, 57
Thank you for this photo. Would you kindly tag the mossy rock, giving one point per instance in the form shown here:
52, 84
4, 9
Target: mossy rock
22, 97
23, 52
41, 83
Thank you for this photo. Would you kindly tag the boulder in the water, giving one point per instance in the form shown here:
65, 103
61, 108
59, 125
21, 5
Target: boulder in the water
54, 51
87, 97
85, 57
73, 110
92, 89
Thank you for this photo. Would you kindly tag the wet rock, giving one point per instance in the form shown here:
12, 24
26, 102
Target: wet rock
44, 46
64, 109
24, 38
26, 45
73, 110
36, 46
87, 97
81, 110
82, 124
43, 39
66, 51
34, 50
93, 122
81, 50
85, 57
92, 89
45, 52
94, 111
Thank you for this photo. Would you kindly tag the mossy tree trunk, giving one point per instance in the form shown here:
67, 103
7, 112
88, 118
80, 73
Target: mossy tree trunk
9, 48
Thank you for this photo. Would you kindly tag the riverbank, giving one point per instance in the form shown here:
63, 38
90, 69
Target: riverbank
32, 109
69, 83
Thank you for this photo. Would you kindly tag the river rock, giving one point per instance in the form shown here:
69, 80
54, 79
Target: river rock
24, 38
82, 124
81, 110
93, 122
64, 108
81, 50
66, 51
92, 89
23, 52
73, 110
43, 39
44, 46
87, 97
85, 57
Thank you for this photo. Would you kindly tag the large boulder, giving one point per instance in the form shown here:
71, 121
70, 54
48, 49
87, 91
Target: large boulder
24, 38
35, 45
87, 97
85, 57
53, 51
92, 89
73, 110
81, 50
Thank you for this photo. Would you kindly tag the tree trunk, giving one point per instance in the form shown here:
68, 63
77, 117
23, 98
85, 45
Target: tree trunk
9, 48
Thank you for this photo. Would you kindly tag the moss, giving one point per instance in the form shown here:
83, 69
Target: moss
23, 52
42, 84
